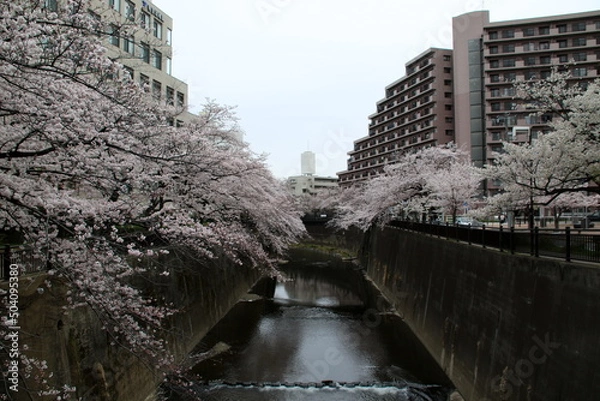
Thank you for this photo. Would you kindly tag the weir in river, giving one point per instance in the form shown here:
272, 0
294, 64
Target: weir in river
325, 333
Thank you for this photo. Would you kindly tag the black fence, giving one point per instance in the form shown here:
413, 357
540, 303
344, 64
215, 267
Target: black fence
21, 258
567, 244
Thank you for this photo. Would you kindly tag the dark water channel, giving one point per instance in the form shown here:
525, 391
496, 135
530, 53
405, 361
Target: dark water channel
324, 335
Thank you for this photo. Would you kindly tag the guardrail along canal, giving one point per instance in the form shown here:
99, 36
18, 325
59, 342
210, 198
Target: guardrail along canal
324, 335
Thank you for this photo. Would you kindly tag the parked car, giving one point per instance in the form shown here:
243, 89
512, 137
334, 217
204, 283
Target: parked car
584, 222
468, 222
594, 216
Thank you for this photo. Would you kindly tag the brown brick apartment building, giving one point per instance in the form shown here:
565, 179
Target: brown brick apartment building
467, 95
417, 111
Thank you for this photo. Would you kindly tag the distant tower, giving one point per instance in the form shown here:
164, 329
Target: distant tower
308, 165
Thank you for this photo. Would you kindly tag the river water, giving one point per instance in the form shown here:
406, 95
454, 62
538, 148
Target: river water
324, 335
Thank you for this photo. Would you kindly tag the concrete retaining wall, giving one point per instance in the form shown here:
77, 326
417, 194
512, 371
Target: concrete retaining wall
503, 327
79, 352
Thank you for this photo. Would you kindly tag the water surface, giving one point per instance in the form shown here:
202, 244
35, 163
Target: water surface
324, 335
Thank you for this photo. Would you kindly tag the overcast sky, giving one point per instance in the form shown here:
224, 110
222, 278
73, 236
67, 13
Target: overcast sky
306, 74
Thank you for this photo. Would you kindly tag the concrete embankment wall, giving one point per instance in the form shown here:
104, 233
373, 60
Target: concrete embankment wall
79, 353
503, 327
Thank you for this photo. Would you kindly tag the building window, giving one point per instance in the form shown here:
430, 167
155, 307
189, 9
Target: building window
578, 26
493, 49
528, 32
447, 70
579, 42
544, 45
157, 29
508, 62
510, 91
129, 10
114, 35
562, 28
495, 106
529, 47
510, 76
495, 93
169, 66
145, 49
144, 82
510, 48
580, 72
180, 99
115, 5
530, 75
156, 89
447, 57
545, 74
563, 58
495, 78
493, 35
494, 64
128, 71
530, 60
508, 33
169, 36
170, 96
51, 5
145, 20
545, 60
157, 59
580, 57
562, 44
544, 30
128, 44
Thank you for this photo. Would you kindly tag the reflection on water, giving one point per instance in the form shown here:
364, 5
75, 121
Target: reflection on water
315, 333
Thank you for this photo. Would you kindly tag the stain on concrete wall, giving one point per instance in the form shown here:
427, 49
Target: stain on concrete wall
503, 327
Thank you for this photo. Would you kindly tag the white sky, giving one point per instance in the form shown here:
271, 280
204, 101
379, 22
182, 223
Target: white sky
306, 74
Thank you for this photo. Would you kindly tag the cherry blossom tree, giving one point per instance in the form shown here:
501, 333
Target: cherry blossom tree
453, 188
564, 160
436, 179
94, 176
569, 201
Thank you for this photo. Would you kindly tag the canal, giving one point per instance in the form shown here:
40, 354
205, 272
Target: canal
325, 334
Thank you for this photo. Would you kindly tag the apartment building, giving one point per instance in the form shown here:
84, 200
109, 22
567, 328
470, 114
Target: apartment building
416, 112
142, 40
491, 56
308, 183
467, 94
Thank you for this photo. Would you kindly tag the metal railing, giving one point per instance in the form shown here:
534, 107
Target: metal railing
567, 244
20, 256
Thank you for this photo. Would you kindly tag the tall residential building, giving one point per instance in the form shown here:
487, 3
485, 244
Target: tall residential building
308, 183
487, 58
142, 40
308, 163
417, 112
491, 56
